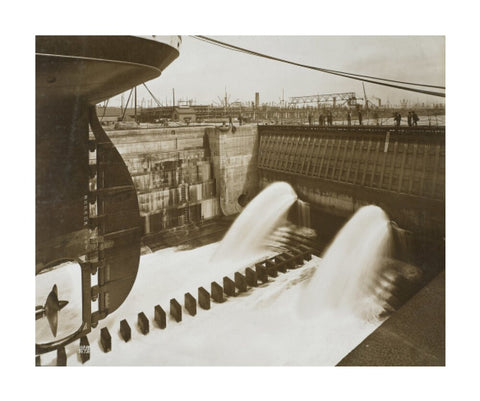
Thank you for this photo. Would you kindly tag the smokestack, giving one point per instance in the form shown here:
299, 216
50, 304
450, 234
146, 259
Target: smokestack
257, 99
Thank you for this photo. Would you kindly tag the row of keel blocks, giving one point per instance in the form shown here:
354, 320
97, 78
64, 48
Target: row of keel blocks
268, 267
160, 318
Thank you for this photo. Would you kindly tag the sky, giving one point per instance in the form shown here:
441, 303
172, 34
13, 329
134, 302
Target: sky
204, 72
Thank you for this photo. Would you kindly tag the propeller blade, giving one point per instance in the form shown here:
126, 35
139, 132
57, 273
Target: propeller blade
62, 304
50, 310
53, 321
52, 306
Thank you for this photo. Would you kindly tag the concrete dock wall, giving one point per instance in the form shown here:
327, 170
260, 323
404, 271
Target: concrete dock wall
340, 169
234, 158
173, 175
193, 174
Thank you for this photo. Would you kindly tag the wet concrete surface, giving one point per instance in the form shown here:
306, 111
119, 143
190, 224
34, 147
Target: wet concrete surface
412, 336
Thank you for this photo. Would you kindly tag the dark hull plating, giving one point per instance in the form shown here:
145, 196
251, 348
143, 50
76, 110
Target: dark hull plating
86, 203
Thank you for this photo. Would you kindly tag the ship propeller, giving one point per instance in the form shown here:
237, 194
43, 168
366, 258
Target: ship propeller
51, 308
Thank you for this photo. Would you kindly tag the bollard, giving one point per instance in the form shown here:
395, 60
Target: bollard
160, 317
125, 330
106, 340
190, 304
143, 323
217, 292
175, 310
240, 282
203, 298
84, 349
271, 268
61, 356
38, 361
261, 272
228, 286
251, 276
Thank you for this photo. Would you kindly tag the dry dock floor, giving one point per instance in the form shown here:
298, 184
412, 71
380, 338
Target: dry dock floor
413, 336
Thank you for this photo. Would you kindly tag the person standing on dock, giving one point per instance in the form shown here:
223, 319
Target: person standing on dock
360, 117
349, 118
398, 119
409, 118
321, 119
309, 119
414, 118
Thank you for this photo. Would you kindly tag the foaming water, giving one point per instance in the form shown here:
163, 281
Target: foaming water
260, 218
345, 277
311, 316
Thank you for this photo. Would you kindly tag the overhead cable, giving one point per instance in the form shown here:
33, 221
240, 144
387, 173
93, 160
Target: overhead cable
358, 77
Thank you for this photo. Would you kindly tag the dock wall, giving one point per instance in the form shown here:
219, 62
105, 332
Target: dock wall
234, 158
339, 169
172, 172
191, 174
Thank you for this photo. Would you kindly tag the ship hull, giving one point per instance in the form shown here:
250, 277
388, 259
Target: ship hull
86, 204
95, 68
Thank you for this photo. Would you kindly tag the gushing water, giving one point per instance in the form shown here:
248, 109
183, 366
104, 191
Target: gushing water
261, 216
346, 277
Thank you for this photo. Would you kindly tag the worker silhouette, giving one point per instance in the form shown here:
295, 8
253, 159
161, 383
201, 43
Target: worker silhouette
414, 118
398, 119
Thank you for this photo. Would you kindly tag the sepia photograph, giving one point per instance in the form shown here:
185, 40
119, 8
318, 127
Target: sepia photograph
240, 200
